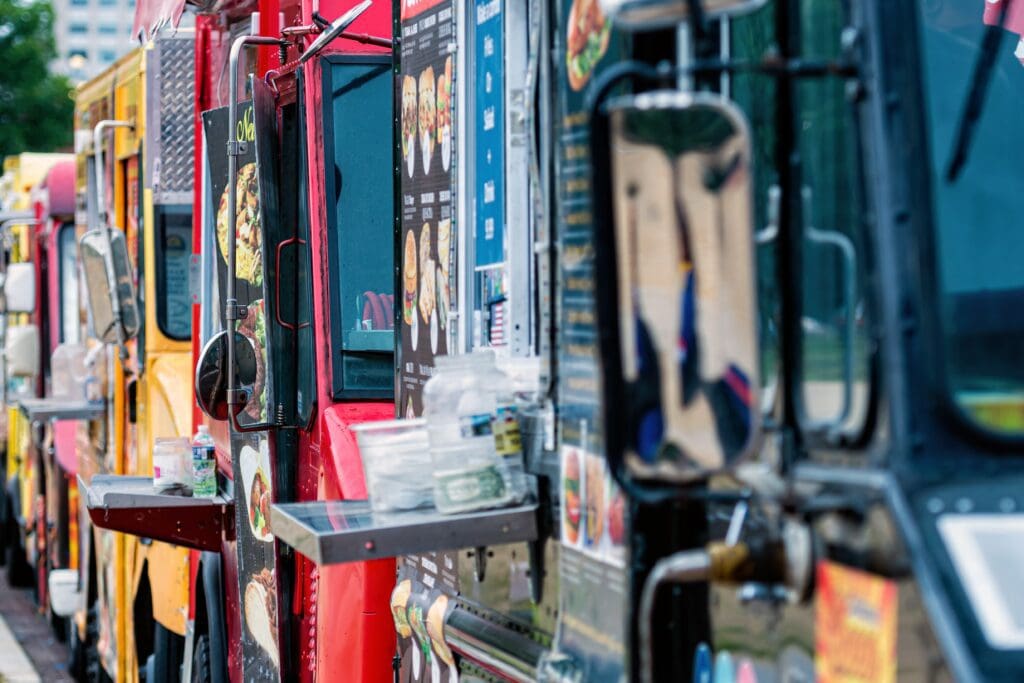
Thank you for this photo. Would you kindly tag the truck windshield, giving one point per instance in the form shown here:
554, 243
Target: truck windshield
980, 244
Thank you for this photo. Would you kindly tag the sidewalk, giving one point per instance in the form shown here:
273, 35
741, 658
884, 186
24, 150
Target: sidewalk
14, 664
29, 652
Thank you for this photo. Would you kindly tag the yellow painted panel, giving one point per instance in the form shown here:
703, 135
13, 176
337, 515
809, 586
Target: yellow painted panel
168, 575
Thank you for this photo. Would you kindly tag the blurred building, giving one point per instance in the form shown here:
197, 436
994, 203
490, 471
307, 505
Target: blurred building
91, 35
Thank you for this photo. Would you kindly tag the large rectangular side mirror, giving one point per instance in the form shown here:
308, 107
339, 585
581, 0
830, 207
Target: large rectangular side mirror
112, 305
20, 288
677, 302
21, 350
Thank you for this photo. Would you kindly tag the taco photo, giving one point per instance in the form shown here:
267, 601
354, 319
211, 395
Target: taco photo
409, 279
247, 228
444, 114
254, 328
586, 42
428, 116
255, 467
260, 606
427, 279
409, 115
571, 488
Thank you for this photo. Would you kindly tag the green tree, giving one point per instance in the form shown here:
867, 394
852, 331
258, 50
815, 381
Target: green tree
36, 108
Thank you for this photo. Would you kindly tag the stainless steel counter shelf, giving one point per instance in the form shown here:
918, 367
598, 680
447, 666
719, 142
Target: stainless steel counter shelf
334, 532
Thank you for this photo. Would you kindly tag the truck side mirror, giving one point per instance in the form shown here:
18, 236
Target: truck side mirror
650, 14
211, 384
20, 288
114, 321
676, 297
21, 351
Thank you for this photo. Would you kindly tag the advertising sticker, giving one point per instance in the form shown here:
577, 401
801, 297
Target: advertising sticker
593, 555
252, 464
855, 626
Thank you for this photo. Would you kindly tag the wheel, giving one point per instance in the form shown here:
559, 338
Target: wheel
19, 573
94, 671
76, 652
168, 651
202, 669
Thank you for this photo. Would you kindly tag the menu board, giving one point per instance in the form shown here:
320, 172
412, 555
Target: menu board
592, 557
420, 605
251, 462
425, 89
489, 132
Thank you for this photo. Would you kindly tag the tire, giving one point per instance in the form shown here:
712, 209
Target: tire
94, 672
16, 566
202, 668
168, 652
76, 652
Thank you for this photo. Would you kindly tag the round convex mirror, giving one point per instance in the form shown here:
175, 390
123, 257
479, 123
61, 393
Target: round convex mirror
212, 373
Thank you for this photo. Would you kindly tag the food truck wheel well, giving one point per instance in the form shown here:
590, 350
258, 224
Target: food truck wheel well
210, 614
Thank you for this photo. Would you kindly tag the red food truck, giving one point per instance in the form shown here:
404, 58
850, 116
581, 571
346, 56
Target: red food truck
314, 354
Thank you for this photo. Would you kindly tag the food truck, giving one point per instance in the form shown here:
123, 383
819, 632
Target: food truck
18, 218
29, 337
760, 254
134, 226
320, 350
781, 451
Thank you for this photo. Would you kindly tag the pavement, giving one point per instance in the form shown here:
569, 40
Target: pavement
29, 651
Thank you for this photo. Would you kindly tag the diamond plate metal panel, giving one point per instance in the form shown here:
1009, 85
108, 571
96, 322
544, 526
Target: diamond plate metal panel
174, 84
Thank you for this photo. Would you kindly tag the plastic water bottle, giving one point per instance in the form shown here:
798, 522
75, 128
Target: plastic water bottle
204, 464
474, 437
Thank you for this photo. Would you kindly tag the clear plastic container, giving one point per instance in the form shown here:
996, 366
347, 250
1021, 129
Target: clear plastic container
474, 434
204, 464
69, 375
396, 462
172, 472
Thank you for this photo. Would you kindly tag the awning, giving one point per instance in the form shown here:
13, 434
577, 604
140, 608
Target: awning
1014, 21
153, 15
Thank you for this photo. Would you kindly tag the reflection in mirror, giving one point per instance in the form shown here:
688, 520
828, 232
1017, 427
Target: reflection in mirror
650, 14
20, 288
211, 384
93, 251
684, 246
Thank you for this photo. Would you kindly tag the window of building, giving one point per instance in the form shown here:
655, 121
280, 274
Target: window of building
108, 30
79, 3
108, 55
78, 29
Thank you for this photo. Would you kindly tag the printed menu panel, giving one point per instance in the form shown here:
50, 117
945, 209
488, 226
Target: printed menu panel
425, 90
253, 467
593, 554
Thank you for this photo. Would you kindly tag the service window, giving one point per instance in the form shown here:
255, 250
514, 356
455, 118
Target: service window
359, 184
834, 318
173, 260
70, 329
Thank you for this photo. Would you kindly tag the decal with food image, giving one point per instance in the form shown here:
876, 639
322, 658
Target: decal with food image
410, 119
253, 467
248, 229
427, 88
444, 114
428, 117
593, 507
587, 39
261, 613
